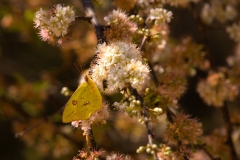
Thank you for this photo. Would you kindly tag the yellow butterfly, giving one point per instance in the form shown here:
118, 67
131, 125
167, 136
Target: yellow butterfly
83, 103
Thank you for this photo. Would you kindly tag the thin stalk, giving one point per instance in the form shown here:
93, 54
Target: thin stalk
141, 49
90, 140
146, 119
229, 128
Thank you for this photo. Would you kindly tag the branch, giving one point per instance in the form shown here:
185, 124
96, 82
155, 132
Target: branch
89, 11
229, 128
88, 19
141, 48
44, 120
208, 153
146, 119
90, 140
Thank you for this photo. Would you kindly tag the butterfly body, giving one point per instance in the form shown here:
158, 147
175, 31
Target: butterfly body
83, 103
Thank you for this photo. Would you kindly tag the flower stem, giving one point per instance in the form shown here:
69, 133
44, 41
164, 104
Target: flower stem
141, 48
90, 140
146, 119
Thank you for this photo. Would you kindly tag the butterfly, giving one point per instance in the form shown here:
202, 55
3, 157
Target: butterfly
83, 103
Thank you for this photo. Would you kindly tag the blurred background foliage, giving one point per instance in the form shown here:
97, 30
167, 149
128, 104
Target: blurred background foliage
33, 72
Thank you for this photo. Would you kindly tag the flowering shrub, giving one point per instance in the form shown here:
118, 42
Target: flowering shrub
144, 72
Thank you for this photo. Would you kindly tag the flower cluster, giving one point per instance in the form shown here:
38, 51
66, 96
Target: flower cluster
234, 31
219, 10
165, 153
53, 23
182, 133
183, 58
82, 154
172, 65
119, 65
117, 156
160, 15
216, 143
184, 130
216, 89
121, 27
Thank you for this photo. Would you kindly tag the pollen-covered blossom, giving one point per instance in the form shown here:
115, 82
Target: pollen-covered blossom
53, 23
161, 15
182, 133
115, 156
184, 130
121, 27
216, 89
119, 65
98, 117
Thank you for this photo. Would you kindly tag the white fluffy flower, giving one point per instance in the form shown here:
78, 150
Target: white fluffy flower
119, 64
54, 22
161, 15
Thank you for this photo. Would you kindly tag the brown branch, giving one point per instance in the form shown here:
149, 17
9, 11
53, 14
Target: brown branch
229, 129
209, 154
90, 140
146, 119
20, 134
90, 12
88, 19
44, 120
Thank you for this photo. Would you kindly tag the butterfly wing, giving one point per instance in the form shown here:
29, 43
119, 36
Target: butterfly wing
90, 100
70, 112
83, 103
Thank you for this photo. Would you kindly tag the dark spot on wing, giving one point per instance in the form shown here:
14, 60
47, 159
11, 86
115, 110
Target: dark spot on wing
74, 102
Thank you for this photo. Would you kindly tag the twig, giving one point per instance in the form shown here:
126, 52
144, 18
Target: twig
141, 48
208, 153
89, 11
145, 37
20, 134
44, 120
229, 128
146, 119
90, 140
88, 19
